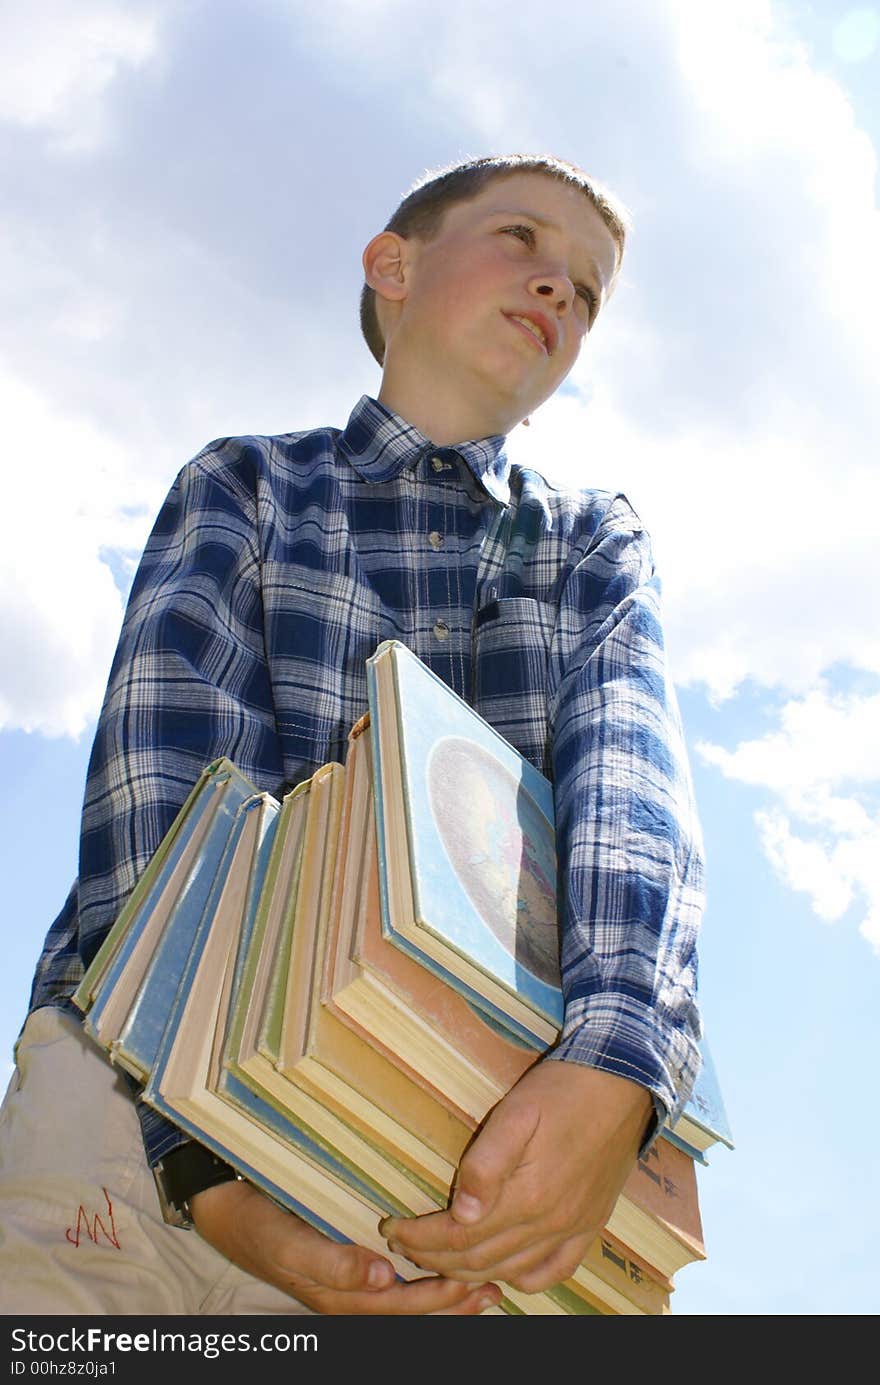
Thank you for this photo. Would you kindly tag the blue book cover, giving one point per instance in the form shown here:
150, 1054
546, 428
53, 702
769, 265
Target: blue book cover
481, 835
481, 846
141, 903
259, 868
181, 1081
297, 1137
137, 1043
685, 1146
704, 1119
186, 862
283, 1196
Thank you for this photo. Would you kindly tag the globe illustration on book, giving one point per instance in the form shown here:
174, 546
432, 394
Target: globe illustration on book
502, 848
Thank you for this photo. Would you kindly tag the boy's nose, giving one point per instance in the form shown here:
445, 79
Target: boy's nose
556, 286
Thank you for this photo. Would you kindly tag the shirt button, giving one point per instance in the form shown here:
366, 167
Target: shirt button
435, 539
441, 630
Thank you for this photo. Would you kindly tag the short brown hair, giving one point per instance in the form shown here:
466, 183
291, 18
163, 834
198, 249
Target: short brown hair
422, 210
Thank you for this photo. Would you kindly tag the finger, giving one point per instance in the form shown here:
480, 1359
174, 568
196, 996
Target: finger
485, 1194
541, 1266
475, 1301
513, 1260
555, 1267
304, 1257
492, 1159
419, 1297
482, 1176
432, 1231
515, 1216
462, 1253
278, 1247
431, 1234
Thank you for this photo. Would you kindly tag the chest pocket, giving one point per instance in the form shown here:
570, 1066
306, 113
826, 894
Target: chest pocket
320, 627
511, 653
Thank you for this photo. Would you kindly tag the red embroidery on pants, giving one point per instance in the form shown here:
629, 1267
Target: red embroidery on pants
91, 1228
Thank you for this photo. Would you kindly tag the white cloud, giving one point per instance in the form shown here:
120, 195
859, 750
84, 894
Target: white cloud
805, 865
769, 573
57, 61
739, 411
824, 738
68, 498
823, 765
733, 395
731, 391
797, 133
834, 873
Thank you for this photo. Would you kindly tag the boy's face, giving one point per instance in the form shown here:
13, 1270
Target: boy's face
498, 303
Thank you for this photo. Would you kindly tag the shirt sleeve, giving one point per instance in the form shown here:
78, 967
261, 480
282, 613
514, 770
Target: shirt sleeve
189, 682
628, 837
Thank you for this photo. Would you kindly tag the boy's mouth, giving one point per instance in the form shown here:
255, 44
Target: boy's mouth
535, 329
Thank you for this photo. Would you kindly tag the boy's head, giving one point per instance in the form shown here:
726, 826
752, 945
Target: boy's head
477, 309
420, 215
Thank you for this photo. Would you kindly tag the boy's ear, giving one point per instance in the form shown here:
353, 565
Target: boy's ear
385, 262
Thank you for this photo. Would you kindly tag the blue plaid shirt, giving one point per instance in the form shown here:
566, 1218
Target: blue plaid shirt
276, 566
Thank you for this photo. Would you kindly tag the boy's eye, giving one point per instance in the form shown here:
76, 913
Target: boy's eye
524, 233
527, 235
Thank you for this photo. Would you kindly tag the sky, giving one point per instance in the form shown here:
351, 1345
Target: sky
188, 190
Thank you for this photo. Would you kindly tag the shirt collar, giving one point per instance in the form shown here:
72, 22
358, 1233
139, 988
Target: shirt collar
380, 444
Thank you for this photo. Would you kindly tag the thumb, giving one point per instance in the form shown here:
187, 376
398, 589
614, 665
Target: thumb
491, 1160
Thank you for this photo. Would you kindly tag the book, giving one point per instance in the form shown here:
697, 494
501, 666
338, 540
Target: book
338, 1061
285, 1158
666, 1227
333, 991
424, 1025
140, 961
144, 899
658, 1212
631, 1285
703, 1122
467, 887
309, 914
189, 1082
363, 1090
260, 977
467, 858
255, 1061
269, 1086
181, 1085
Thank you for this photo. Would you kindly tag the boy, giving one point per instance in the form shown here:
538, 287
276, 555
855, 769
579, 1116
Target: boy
275, 567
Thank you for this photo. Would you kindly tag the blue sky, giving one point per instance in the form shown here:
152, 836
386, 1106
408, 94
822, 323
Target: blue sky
189, 187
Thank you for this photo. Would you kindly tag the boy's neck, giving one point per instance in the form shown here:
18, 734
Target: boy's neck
444, 421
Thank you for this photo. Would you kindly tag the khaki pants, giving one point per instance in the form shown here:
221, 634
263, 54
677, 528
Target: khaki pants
80, 1227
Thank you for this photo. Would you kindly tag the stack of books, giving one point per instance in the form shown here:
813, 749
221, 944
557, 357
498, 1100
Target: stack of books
331, 991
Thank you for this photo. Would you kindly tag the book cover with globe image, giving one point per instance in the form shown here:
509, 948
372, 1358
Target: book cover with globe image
467, 855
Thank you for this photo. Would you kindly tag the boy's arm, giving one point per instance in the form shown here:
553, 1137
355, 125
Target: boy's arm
629, 840
190, 682
276, 1246
548, 1165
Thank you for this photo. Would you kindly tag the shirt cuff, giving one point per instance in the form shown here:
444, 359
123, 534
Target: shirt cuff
621, 1036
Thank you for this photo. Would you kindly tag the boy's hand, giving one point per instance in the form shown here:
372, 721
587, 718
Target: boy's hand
273, 1245
538, 1183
